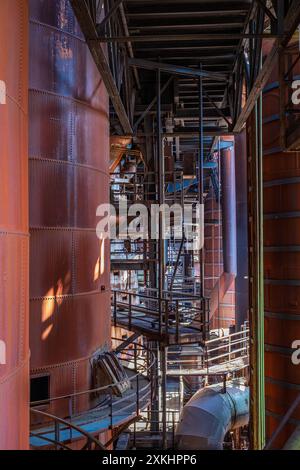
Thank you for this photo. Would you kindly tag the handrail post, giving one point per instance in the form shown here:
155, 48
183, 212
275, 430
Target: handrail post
111, 409
135, 356
173, 429
137, 396
177, 321
224, 383
70, 413
115, 308
166, 316
159, 305
130, 311
57, 434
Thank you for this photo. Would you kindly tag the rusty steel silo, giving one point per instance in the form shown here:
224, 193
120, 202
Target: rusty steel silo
69, 178
281, 175
14, 236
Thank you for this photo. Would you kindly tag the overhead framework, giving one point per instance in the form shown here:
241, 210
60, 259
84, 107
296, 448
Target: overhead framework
222, 37
190, 73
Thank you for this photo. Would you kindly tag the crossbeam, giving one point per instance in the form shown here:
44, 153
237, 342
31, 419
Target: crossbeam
290, 24
89, 30
175, 69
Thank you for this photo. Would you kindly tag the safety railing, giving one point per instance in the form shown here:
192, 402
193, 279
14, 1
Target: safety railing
61, 426
227, 349
110, 412
230, 352
139, 186
169, 314
132, 249
152, 425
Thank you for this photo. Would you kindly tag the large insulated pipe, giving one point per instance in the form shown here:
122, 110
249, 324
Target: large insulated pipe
14, 237
69, 178
210, 414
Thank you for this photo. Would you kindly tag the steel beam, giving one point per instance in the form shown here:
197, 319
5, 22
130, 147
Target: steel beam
290, 24
201, 178
175, 69
187, 133
89, 30
256, 276
193, 113
150, 106
109, 15
187, 37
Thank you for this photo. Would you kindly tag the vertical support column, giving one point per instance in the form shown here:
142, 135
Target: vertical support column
256, 287
161, 192
163, 371
200, 177
161, 257
241, 282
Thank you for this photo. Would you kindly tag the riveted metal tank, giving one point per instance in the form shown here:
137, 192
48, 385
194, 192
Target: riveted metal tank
281, 173
69, 178
14, 236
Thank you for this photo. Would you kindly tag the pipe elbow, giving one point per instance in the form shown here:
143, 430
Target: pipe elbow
210, 414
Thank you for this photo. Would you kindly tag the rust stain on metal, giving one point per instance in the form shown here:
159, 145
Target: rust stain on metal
69, 178
281, 267
14, 240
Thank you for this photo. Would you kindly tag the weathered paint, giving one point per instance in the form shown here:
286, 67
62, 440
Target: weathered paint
69, 178
14, 239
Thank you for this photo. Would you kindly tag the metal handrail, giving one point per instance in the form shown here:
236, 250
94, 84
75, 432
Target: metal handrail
204, 355
57, 421
98, 389
158, 308
138, 399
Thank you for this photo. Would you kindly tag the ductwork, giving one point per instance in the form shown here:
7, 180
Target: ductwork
210, 414
229, 211
228, 230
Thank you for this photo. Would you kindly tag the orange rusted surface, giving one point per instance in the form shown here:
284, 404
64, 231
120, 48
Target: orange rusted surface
281, 171
118, 146
14, 240
69, 178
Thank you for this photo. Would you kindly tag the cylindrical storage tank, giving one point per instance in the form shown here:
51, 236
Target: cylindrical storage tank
281, 173
69, 178
14, 237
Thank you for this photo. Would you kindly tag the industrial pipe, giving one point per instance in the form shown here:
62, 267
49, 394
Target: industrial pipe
228, 230
210, 414
228, 211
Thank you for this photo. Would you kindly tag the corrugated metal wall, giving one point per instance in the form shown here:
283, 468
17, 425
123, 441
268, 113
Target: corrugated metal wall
69, 178
281, 172
14, 240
